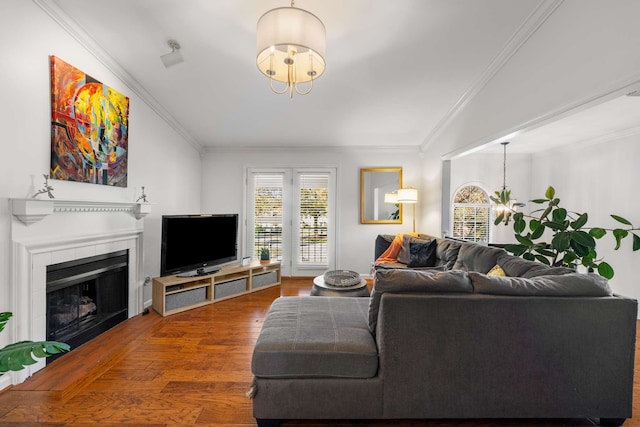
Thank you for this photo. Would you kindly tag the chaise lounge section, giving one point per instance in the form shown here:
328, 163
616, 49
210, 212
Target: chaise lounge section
451, 343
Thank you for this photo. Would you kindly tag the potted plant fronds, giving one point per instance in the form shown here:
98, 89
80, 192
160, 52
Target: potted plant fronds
572, 242
265, 255
14, 357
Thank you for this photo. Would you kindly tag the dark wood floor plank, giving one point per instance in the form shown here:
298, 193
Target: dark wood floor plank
189, 369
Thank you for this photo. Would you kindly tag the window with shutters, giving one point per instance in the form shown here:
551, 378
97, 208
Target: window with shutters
291, 212
471, 214
267, 214
313, 200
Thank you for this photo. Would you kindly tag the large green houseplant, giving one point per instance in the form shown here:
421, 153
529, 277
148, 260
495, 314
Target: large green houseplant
573, 242
14, 357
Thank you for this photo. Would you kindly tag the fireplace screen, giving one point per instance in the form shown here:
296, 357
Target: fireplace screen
86, 297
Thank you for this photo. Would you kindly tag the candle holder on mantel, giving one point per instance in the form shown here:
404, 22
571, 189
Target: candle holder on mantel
142, 198
47, 189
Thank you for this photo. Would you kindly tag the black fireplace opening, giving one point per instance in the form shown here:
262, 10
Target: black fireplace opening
86, 297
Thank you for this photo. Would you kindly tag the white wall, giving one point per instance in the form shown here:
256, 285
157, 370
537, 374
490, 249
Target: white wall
486, 171
223, 183
600, 179
159, 158
581, 52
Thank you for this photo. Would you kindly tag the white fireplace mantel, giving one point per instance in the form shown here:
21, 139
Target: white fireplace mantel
50, 231
29, 211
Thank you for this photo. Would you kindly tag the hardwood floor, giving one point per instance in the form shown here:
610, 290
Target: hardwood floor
192, 368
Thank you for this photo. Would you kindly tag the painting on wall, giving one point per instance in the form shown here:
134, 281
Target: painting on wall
89, 128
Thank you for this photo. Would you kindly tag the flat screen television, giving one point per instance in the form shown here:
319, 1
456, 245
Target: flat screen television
194, 245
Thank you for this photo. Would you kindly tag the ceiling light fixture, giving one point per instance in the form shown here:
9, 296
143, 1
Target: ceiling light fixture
174, 57
291, 45
504, 205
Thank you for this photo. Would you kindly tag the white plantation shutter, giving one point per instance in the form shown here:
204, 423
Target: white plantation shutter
292, 212
313, 214
471, 214
268, 214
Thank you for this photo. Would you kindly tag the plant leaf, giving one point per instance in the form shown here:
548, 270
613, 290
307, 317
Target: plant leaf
519, 225
584, 239
580, 222
4, 318
529, 256
546, 212
499, 219
620, 219
598, 232
546, 252
543, 259
550, 193
559, 215
517, 250
579, 249
605, 270
16, 356
556, 226
538, 232
636, 242
561, 241
539, 201
619, 234
524, 240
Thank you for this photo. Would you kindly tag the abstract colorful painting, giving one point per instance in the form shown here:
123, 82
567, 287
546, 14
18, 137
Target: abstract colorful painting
89, 128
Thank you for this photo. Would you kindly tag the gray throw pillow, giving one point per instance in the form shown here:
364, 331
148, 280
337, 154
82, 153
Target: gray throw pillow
404, 256
422, 254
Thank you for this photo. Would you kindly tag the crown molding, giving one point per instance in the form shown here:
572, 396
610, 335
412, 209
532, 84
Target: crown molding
327, 148
76, 31
612, 90
527, 29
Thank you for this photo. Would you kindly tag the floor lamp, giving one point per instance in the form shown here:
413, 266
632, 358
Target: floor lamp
409, 196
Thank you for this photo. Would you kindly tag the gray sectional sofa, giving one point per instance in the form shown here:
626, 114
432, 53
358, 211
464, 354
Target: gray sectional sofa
451, 342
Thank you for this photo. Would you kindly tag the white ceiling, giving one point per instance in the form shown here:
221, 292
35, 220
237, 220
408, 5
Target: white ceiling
394, 68
606, 121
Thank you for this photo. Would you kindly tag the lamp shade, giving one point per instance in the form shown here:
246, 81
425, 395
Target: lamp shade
291, 45
407, 195
391, 198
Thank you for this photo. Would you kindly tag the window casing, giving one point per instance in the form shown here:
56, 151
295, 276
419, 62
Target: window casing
471, 214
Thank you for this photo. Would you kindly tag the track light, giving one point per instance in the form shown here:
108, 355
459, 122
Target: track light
174, 57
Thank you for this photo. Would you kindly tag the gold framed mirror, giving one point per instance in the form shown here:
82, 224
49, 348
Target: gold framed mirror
374, 184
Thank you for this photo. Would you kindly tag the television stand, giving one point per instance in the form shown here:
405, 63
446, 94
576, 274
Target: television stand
173, 294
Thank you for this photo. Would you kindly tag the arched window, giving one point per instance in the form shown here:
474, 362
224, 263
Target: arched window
471, 214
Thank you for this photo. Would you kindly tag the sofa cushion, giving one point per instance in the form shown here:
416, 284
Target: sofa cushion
517, 267
474, 257
306, 337
548, 271
574, 284
422, 254
447, 252
414, 281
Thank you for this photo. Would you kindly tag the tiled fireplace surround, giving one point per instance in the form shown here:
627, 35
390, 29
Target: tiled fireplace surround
45, 232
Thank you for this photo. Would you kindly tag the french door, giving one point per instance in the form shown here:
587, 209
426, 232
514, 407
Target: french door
291, 211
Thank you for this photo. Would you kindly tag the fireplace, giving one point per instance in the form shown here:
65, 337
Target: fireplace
47, 232
86, 297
